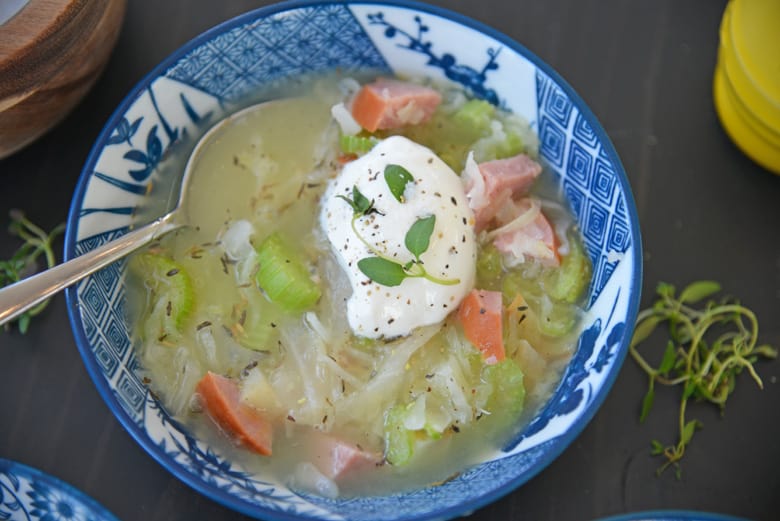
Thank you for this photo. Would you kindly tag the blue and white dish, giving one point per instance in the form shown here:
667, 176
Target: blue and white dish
27, 494
206, 78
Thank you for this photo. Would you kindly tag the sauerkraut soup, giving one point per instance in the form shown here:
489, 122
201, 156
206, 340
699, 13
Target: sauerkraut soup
378, 287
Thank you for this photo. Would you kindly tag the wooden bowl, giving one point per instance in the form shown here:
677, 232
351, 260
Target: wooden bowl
51, 53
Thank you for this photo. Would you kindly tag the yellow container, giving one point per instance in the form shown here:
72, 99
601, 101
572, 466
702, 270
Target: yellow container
746, 86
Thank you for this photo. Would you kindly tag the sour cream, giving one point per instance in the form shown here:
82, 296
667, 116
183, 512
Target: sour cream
375, 310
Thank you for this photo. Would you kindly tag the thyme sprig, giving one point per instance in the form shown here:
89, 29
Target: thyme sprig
24, 261
706, 351
379, 267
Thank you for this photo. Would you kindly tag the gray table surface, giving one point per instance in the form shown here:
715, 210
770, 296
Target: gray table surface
706, 211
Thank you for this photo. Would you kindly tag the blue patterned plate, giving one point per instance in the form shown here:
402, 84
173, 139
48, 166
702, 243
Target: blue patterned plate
206, 78
28, 494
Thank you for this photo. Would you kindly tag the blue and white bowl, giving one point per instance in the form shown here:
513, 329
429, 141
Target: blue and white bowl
28, 494
204, 80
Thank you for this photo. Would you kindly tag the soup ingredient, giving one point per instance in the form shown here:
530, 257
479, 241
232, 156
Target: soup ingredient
389, 104
171, 295
708, 348
284, 277
398, 217
481, 314
24, 261
221, 398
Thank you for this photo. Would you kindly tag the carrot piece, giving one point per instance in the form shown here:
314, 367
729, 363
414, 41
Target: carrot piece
480, 312
221, 399
387, 104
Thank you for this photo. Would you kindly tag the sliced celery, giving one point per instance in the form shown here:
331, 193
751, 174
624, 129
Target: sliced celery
356, 144
283, 276
259, 325
399, 441
503, 393
172, 295
490, 268
568, 282
558, 320
475, 115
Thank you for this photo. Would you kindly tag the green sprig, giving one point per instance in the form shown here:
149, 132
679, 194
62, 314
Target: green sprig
380, 268
706, 351
24, 261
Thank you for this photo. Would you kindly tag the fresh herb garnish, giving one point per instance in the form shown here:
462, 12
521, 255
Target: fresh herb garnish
359, 203
706, 351
397, 177
36, 243
384, 270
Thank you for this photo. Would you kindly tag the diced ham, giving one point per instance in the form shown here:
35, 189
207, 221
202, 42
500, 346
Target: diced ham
481, 314
220, 398
502, 180
389, 104
336, 458
535, 238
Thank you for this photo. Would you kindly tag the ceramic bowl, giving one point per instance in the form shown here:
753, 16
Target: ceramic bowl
205, 79
28, 493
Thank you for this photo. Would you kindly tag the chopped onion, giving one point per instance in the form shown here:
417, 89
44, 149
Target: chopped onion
345, 120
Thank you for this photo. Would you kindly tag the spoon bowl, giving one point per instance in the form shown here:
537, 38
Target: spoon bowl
26, 294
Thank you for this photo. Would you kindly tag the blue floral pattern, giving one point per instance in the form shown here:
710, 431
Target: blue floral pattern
28, 494
208, 79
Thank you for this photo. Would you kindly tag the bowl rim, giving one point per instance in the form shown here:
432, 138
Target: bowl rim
559, 444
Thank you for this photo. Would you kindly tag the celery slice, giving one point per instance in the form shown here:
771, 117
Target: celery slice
357, 144
475, 115
399, 441
568, 282
283, 276
503, 393
172, 293
490, 268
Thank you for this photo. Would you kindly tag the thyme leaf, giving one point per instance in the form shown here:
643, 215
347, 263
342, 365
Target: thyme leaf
23, 262
418, 237
708, 348
397, 177
382, 271
359, 203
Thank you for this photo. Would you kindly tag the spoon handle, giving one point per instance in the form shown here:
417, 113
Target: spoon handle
25, 294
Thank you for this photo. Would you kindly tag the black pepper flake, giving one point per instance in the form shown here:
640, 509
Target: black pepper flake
168, 309
463, 239
522, 308
242, 318
454, 201
430, 160
522, 317
203, 324
325, 418
290, 417
482, 311
465, 221
162, 337
390, 321
273, 324
147, 380
455, 429
172, 272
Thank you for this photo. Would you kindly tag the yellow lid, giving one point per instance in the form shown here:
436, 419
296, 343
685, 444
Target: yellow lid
747, 78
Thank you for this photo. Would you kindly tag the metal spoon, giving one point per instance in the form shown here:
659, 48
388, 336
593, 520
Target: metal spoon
25, 294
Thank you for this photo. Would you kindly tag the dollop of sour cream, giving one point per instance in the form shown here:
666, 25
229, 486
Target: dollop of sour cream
375, 310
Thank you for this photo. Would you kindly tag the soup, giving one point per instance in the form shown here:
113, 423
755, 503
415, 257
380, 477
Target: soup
346, 312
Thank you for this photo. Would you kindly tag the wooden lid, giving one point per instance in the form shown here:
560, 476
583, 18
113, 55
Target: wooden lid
39, 40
